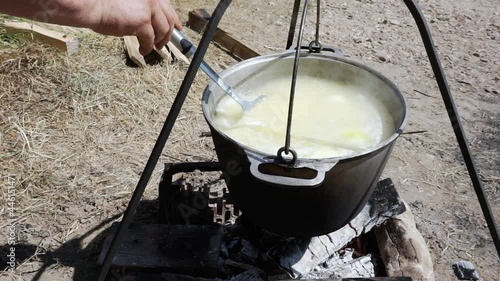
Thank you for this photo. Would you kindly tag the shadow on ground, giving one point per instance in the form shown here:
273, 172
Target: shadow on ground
71, 254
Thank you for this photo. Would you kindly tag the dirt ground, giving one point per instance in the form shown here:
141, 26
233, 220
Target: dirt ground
75, 132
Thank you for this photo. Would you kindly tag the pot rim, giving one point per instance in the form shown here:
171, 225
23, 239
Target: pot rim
269, 57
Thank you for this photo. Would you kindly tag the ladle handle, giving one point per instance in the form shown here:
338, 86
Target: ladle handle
283, 175
186, 47
182, 43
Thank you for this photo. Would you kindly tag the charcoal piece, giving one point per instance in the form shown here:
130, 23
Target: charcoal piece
249, 275
465, 270
248, 252
224, 252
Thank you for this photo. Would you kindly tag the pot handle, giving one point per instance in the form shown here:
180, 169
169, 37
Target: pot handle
279, 174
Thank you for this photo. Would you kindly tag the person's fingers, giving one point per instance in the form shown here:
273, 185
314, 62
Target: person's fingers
171, 16
171, 22
146, 39
163, 40
161, 27
177, 21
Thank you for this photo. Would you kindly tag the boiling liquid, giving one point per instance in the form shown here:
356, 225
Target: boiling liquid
330, 119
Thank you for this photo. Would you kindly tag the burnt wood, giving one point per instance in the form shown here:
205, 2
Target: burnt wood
299, 256
198, 19
344, 265
188, 249
362, 279
247, 276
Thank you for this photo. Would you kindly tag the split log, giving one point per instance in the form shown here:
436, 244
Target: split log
403, 249
61, 41
299, 256
132, 49
198, 19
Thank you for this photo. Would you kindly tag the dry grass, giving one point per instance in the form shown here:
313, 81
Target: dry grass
75, 133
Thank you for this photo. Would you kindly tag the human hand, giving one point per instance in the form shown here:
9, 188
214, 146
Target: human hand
152, 21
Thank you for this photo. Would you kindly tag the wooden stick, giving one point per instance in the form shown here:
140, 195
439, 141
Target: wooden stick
56, 39
163, 52
198, 19
422, 93
132, 48
414, 132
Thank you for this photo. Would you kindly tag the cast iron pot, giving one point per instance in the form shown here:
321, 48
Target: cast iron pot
309, 197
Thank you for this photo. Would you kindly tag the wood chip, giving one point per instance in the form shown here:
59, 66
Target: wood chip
61, 41
132, 49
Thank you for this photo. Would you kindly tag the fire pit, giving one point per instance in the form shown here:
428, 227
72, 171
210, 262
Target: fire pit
203, 235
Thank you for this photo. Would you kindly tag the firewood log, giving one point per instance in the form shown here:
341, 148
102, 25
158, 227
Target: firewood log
403, 248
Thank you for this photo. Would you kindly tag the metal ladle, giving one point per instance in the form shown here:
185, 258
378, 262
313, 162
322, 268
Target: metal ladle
187, 48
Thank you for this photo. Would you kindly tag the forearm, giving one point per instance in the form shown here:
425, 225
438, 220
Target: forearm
152, 21
78, 13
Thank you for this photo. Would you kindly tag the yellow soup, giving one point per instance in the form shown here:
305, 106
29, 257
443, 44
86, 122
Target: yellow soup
330, 119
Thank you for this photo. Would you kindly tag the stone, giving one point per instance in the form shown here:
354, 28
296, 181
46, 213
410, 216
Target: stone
383, 57
465, 270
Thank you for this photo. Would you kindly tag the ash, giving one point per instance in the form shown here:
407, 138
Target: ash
247, 250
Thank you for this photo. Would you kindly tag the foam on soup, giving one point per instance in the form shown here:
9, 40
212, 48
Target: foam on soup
330, 118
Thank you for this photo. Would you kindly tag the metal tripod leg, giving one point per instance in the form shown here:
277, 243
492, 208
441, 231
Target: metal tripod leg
455, 119
293, 24
164, 134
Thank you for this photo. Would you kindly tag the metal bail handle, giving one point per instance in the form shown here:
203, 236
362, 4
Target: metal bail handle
316, 46
283, 160
287, 148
